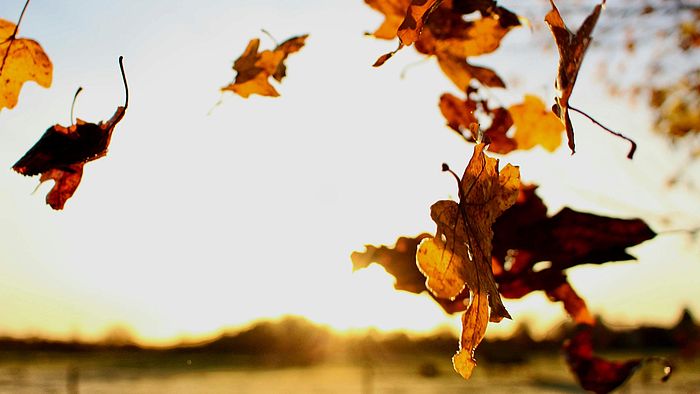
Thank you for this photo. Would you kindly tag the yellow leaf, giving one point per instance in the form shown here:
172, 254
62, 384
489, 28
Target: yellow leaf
24, 60
535, 125
474, 322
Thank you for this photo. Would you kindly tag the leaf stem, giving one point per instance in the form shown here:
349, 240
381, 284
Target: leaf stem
72, 106
126, 87
13, 36
267, 33
633, 148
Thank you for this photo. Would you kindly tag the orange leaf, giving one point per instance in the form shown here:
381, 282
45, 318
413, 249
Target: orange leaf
572, 47
22, 60
535, 125
394, 12
474, 322
416, 15
459, 255
461, 73
253, 69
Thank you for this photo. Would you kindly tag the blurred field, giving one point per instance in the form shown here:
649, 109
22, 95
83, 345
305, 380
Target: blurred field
136, 372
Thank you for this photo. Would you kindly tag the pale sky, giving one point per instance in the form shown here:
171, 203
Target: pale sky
196, 222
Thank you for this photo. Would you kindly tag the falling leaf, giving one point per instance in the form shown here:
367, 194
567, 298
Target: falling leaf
399, 261
459, 255
22, 60
594, 373
394, 12
416, 15
461, 117
458, 113
61, 153
254, 69
461, 73
572, 48
535, 125
495, 134
438, 27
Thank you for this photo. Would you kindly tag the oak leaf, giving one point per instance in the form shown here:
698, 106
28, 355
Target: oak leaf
535, 125
23, 60
459, 256
253, 68
61, 153
572, 48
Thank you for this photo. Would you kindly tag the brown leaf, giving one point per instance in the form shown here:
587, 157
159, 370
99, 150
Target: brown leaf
460, 116
416, 15
495, 135
474, 322
572, 48
459, 255
66, 181
439, 28
254, 69
61, 153
458, 113
594, 373
22, 60
461, 73
399, 261
535, 125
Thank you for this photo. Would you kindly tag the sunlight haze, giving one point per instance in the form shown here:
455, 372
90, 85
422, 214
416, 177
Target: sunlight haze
204, 217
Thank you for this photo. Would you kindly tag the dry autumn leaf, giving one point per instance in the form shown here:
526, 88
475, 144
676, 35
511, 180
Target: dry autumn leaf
459, 255
438, 28
254, 69
461, 117
535, 125
525, 235
23, 60
400, 262
61, 152
416, 15
572, 48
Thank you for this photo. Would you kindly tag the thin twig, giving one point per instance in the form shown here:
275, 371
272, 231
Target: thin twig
634, 144
13, 37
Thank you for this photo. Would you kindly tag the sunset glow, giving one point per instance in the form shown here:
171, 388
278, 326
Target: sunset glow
204, 216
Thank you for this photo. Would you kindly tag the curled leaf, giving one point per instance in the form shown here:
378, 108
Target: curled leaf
572, 48
22, 60
61, 152
459, 256
416, 15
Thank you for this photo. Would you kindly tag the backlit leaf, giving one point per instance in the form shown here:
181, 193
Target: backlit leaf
253, 68
535, 125
22, 60
572, 48
459, 255
61, 153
